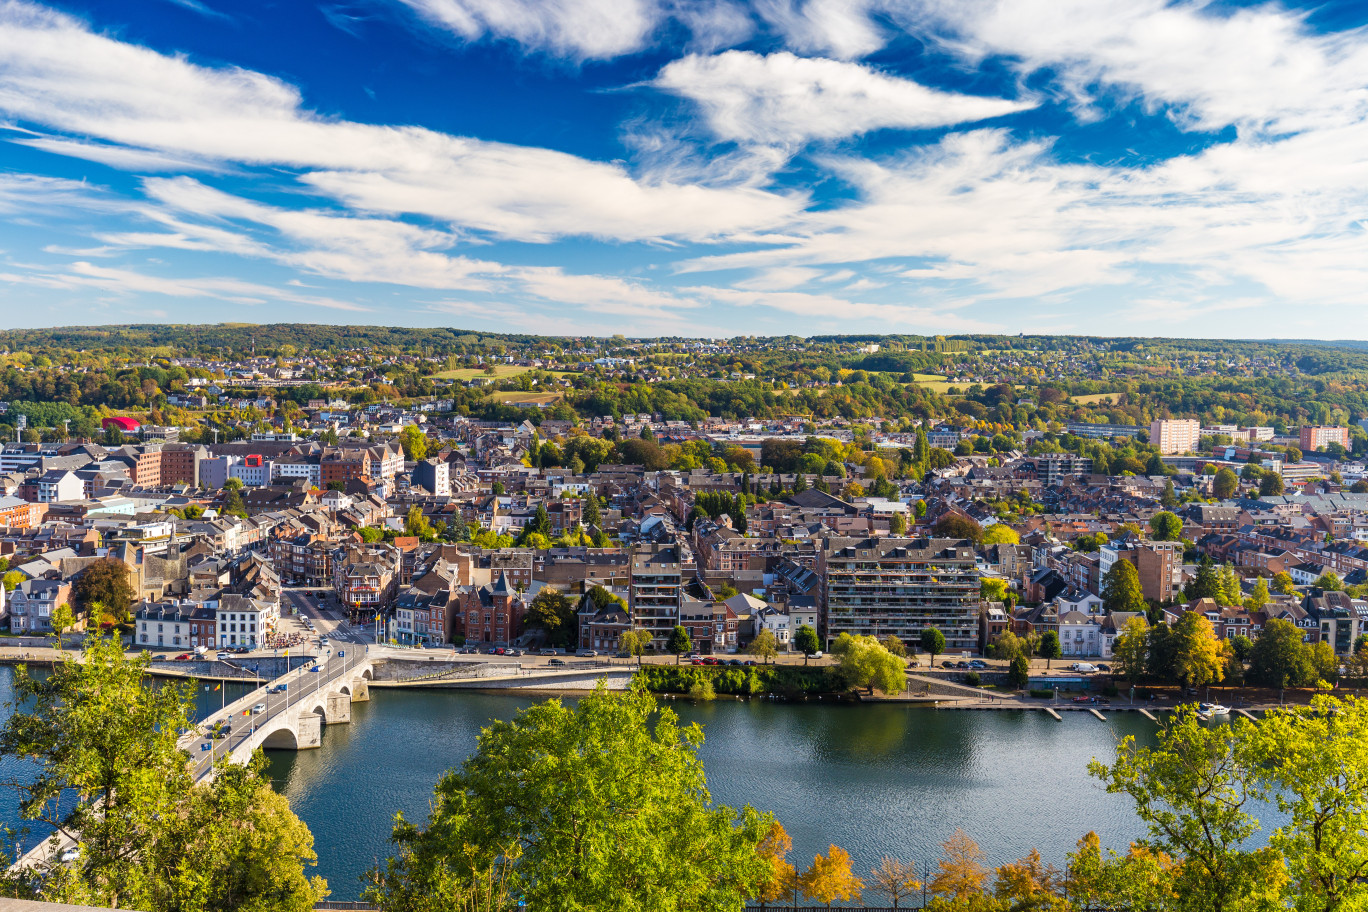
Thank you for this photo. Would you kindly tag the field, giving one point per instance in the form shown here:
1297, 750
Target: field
501, 372
934, 382
1094, 398
526, 398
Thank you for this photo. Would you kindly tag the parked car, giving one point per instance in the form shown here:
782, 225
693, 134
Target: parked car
71, 855
512, 651
556, 662
712, 660
1102, 700
947, 664
977, 663
1104, 668
749, 662
547, 651
961, 664
622, 655
1082, 699
184, 657
243, 650
587, 654
696, 661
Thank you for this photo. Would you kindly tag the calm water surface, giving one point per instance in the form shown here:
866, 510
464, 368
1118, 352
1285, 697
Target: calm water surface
873, 779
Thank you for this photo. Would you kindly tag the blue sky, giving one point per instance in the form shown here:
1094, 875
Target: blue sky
698, 168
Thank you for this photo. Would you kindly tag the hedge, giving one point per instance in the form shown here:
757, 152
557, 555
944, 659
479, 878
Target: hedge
748, 681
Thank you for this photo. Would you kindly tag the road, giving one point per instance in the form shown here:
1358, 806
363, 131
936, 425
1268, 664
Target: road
299, 684
326, 616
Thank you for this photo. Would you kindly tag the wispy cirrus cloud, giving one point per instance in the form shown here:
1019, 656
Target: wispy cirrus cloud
56, 72
783, 98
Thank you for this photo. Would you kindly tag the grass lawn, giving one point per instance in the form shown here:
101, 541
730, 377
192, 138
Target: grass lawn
520, 396
1094, 398
934, 382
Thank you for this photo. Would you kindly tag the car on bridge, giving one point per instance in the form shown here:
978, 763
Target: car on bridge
276, 689
258, 709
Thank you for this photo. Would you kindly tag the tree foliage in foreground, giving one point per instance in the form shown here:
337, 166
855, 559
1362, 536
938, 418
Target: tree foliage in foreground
109, 774
603, 805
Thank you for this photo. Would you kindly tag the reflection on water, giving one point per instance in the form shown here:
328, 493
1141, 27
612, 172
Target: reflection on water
875, 779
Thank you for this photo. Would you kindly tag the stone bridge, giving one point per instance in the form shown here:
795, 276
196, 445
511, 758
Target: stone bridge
288, 713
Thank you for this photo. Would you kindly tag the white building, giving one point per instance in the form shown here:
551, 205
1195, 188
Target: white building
58, 486
1080, 634
244, 622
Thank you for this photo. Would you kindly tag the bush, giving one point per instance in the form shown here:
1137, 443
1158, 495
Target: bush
776, 679
972, 679
702, 690
1042, 692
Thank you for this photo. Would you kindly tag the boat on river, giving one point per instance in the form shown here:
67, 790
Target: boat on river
1209, 711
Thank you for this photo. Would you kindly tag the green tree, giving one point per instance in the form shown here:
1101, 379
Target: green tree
634, 642
1130, 650
593, 806
679, 642
110, 773
554, 613
416, 524
897, 524
866, 663
1199, 658
1000, 534
1164, 526
1229, 585
1191, 792
807, 642
1206, 584
13, 578
1315, 761
1259, 597
1019, 671
1279, 657
894, 645
992, 589
1329, 581
1225, 484
1121, 588
414, 442
591, 514
1049, 647
1271, 485
1283, 583
62, 620
105, 582
765, 645
933, 642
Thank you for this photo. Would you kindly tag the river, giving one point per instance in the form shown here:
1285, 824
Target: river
875, 779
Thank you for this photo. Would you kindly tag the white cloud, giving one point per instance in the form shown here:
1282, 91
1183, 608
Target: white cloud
781, 98
82, 274
584, 29
826, 307
841, 28
55, 72
1260, 68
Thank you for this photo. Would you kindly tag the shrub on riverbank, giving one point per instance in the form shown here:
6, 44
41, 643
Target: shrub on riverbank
749, 681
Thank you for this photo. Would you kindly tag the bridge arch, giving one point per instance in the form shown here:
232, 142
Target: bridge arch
282, 737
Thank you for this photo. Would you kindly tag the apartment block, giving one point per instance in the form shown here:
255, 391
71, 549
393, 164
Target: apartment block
1318, 437
654, 592
1175, 435
899, 587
